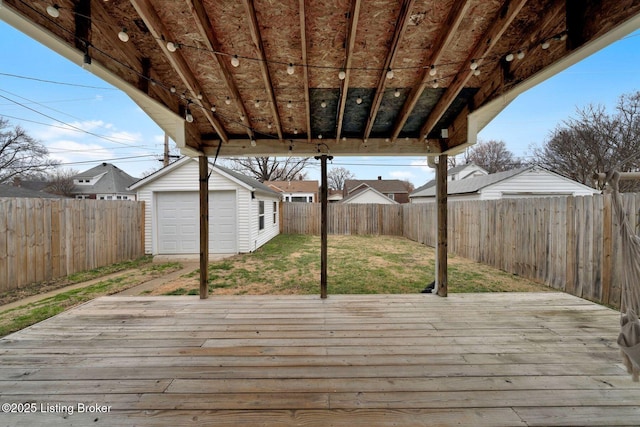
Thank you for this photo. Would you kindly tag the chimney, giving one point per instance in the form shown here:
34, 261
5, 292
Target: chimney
379, 178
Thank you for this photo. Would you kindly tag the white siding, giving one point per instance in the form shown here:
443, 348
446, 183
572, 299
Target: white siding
260, 237
370, 196
535, 183
185, 177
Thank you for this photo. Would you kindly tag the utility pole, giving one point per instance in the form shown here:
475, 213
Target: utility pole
165, 161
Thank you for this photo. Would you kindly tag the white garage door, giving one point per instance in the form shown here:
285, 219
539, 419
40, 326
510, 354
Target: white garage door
178, 227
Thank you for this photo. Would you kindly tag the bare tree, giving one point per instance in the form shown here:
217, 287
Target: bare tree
595, 141
61, 182
20, 154
337, 176
493, 156
408, 185
271, 168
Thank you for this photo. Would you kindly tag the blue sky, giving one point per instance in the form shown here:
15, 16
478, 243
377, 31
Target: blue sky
123, 135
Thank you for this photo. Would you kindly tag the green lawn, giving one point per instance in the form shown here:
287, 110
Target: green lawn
290, 264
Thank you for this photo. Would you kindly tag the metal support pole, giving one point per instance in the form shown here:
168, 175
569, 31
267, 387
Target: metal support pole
204, 226
324, 195
441, 250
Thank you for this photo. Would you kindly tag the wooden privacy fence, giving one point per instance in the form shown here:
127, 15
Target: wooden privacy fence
569, 243
43, 239
356, 219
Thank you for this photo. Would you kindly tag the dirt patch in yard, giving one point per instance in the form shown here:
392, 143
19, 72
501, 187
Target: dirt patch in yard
357, 265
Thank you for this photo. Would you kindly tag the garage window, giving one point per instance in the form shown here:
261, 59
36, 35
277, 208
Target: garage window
275, 211
261, 214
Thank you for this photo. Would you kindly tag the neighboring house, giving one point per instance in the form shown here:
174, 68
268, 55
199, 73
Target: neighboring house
243, 213
365, 194
394, 189
456, 173
9, 190
296, 191
531, 181
104, 182
469, 170
335, 196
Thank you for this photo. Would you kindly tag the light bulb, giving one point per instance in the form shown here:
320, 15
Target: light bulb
473, 65
433, 71
242, 117
269, 125
253, 142
563, 36
389, 73
396, 93
520, 54
87, 61
476, 72
123, 36
213, 108
290, 69
187, 115
358, 100
295, 131
172, 89
342, 75
257, 103
509, 57
235, 61
53, 10
323, 104
545, 45
289, 104
171, 47
320, 136
199, 96
227, 101
435, 84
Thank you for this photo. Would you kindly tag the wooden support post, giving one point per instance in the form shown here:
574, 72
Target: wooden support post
324, 195
441, 249
204, 226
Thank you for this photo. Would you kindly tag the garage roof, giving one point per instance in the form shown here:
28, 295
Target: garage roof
343, 77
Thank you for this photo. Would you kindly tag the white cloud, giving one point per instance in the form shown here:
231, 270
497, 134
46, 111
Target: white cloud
70, 151
404, 174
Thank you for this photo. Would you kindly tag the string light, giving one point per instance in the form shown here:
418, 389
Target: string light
295, 131
545, 45
172, 47
476, 72
320, 136
227, 101
520, 54
123, 36
290, 69
358, 100
213, 108
235, 61
253, 142
53, 10
187, 115
433, 71
242, 117
435, 84
342, 75
86, 63
199, 96
323, 104
257, 103
474, 64
289, 104
509, 57
389, 73
172, 89
396, 93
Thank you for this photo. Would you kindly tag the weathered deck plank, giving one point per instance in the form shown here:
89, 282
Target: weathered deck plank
410, 360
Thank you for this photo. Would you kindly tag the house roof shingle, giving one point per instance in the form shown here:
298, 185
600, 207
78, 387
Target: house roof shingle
384, 186
294, 186
468, 185
115, 180
8, 190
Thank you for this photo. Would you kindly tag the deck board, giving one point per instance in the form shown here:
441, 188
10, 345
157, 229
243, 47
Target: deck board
402, 360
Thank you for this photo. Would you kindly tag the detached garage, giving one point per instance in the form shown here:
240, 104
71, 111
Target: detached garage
243, 213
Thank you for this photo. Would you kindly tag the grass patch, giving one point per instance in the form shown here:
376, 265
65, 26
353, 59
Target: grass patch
83, 276
28, 314
290, 264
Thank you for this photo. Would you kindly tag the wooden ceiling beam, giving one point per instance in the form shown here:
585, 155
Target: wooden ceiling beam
303, 43
445, 35
354, 14
203, 23
177, 61
483, 46
401, 26
264, 67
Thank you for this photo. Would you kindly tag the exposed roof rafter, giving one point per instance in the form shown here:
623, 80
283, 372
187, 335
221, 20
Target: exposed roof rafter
354, 14
445, 35
179, 64
401, 26
489, 39
264, 67
303, 42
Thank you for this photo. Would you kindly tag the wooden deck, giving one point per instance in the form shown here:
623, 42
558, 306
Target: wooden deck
394, 360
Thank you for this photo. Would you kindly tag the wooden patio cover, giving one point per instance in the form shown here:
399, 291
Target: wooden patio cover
328, 78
